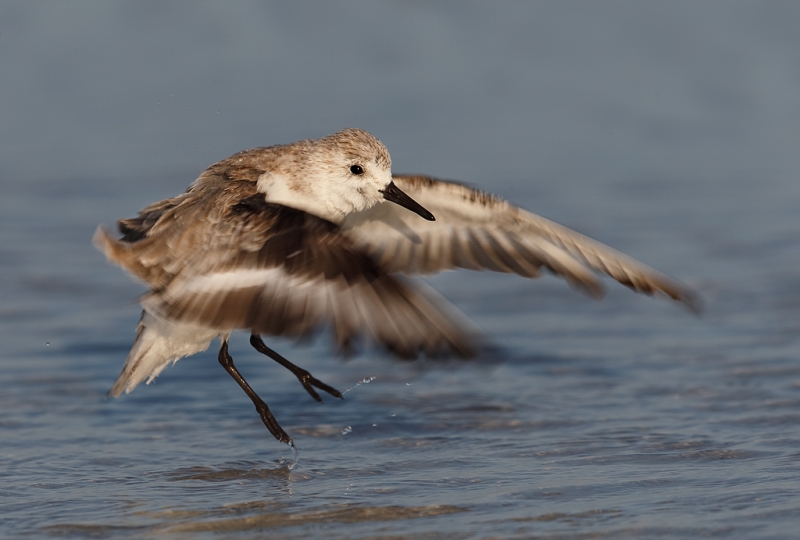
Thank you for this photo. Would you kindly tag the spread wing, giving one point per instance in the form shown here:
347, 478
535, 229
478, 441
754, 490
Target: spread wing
227, 259
476, 230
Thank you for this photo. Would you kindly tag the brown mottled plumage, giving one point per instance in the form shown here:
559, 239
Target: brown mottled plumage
286, 240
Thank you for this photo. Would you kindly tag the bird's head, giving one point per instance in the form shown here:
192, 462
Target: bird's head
337, 175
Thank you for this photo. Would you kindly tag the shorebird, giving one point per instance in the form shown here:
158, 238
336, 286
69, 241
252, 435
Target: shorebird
288, 240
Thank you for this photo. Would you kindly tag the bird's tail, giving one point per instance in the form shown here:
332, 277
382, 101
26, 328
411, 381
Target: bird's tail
158, 343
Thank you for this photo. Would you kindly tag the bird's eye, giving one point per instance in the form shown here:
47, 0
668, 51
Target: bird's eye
356, 169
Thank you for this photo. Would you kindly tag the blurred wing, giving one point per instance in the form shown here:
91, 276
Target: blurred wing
476, 230
249, 264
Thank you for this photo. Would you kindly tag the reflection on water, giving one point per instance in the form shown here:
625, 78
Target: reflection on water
261, 517
258, 515
666, 130
209, 474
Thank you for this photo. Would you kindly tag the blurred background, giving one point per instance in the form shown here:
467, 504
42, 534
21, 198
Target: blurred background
669, 130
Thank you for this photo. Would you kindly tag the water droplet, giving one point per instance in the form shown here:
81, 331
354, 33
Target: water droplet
365, 380
347, 430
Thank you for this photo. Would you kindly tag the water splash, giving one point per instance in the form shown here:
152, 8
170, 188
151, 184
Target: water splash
365, 380
282, 460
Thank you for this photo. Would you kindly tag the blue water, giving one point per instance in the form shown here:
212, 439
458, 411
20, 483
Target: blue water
669, 131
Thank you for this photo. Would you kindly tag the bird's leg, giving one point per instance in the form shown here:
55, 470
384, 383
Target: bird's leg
305, 378
266, 416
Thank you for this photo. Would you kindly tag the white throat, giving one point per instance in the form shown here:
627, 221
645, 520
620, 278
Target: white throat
314, 199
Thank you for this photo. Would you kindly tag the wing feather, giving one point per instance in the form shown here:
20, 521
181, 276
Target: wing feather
475, 230
230, 260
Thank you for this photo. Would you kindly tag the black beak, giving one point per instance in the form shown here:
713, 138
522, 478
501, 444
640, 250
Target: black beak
392, 193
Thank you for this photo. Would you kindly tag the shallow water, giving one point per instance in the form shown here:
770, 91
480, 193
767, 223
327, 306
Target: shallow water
667, 132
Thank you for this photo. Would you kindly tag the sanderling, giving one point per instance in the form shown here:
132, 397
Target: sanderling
286, 240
